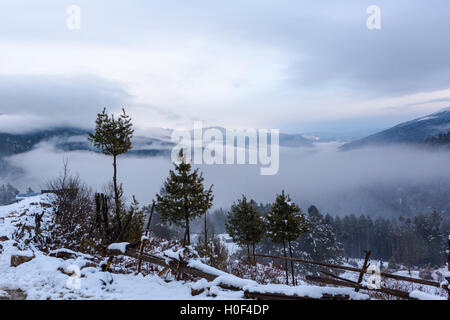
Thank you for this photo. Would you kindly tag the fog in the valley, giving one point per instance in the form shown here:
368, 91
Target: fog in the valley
394, 180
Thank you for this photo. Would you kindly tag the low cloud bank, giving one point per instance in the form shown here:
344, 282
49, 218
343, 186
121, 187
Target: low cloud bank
390, 180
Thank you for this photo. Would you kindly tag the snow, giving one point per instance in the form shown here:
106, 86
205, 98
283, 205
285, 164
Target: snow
177, 255
23, 204
252, 286
197, 264
306, 291
226, 241
425, 296
20, 253
426, 118
54, 252
3, 294
49, 277
121, 246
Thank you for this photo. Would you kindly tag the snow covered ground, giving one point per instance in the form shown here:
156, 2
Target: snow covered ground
65, 274
42, 278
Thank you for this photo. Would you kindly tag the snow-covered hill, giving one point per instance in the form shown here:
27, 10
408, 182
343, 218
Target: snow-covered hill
414, 131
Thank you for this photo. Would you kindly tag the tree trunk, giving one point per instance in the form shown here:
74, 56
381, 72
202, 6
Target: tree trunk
206, 238
116, 194
292, 263
254, 258
187, 235
248, 253
285, 263
184, 238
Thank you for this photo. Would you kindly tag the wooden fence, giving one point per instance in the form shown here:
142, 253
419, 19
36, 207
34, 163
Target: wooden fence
357, 285
180, 267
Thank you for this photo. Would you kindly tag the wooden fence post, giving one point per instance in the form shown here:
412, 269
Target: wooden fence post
147, 233
448, 269
364, 268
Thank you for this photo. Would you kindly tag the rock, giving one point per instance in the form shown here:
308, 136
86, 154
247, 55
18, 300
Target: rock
12, 294
17, 259
63, 255
4, 238
196, 292
4, 295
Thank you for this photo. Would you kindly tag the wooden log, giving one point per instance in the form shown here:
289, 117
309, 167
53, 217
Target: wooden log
334, 266
173, 264
182, 267
279, 296
393, 292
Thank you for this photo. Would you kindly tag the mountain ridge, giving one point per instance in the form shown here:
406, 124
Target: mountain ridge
409, 132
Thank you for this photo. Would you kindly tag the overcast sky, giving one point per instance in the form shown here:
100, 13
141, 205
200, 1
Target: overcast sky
295, 65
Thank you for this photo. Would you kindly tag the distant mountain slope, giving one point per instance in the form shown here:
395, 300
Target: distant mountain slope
74, 139
414, 131
11, 144
157, 143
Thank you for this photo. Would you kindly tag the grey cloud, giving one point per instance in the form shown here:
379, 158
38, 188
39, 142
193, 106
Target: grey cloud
29, 102
327, 42
337, 182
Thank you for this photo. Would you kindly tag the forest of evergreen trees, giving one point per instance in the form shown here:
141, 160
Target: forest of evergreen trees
413, 241
443, 138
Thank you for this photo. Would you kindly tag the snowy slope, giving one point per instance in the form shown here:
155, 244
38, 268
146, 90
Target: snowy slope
414, 131
47, 275
41, 279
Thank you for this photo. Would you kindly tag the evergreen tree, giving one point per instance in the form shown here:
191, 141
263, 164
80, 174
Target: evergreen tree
244, 224
183, 197
285, 223
7, 193
320, 243
113, 137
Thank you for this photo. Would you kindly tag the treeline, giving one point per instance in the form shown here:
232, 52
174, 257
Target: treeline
8, 192
413, 241
443, 138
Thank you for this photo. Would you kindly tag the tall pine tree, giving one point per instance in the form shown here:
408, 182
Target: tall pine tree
113, 137
183, 197
285, 223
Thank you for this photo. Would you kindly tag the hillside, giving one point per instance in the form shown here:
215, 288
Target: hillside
410, 132
30, 273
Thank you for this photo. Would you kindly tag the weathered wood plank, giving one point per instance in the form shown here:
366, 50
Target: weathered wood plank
334, 266
397, 293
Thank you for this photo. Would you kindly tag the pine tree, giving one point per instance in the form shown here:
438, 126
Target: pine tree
113, 137
319, 243
183, 197
244, 224
285, 223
